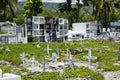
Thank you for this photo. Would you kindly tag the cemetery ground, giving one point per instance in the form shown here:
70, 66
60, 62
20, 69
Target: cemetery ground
106, 52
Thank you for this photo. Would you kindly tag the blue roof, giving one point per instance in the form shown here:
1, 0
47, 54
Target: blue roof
115, 24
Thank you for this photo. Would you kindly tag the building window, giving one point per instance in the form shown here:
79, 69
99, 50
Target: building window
35, 26
61, 33
77, 35
73, 35
35, 32
41, 32
65, 32
87, 26
87, 31
41, 26
61, 27
35, 19
65, 27
42, 20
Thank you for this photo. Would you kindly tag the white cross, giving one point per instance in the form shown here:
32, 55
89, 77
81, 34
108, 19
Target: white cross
43, 63
23, 58
54, 57
69, 56
38, 46
90, 57
7, 49
57, 50
33, 63
48, 50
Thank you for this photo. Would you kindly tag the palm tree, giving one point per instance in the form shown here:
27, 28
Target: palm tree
8, 9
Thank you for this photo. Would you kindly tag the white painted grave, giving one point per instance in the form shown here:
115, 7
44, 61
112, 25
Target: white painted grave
68, 55
7, 49
90, 57
23, 58
38, 46
9, 76
58, 53
48, 50
33, 63
54, 57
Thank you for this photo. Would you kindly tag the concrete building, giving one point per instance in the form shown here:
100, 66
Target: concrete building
46, 29
11, 33
82, 30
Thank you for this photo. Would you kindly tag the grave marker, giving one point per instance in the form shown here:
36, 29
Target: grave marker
90, 57
23, 58
48, 50
57, 50
54, 57
38, 46
7, 49
43, 63
119, 54
33, 63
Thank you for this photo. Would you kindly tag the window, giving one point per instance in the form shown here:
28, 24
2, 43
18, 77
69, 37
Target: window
41, 26
87, 26
35, 19
73, 35
77, 35
42, 20
41, 33
35, 32
61, 27
87, 31
65, 27
61, 33
35, 26
65, 32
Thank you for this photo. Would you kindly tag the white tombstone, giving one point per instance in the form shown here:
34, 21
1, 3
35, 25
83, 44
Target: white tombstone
38, 46
48, 50
104, 30
54, 57
33, 63
7, 49
23, 58
69, 56
57, 50
90, 57
9, 76
108, 29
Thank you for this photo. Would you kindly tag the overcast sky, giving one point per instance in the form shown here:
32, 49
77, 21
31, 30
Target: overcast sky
56, 1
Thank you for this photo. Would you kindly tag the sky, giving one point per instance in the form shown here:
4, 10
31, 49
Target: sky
56, 1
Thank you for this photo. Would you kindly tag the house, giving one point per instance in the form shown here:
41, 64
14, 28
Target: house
11, 33
83, 29
46, 29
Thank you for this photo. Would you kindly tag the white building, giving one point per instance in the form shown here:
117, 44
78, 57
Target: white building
9, 76
11, 33
46, 29
82, 30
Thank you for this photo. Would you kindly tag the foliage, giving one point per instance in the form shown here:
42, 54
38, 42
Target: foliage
19, 20
2, 32
82, 72
8, 9
33, 7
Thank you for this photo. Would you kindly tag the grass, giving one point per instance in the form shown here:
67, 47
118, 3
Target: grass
104, 59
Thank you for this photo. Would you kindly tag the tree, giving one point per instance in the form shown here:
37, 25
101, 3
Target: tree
8, 9
33, 7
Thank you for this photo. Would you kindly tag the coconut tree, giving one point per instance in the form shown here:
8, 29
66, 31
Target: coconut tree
8, 9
